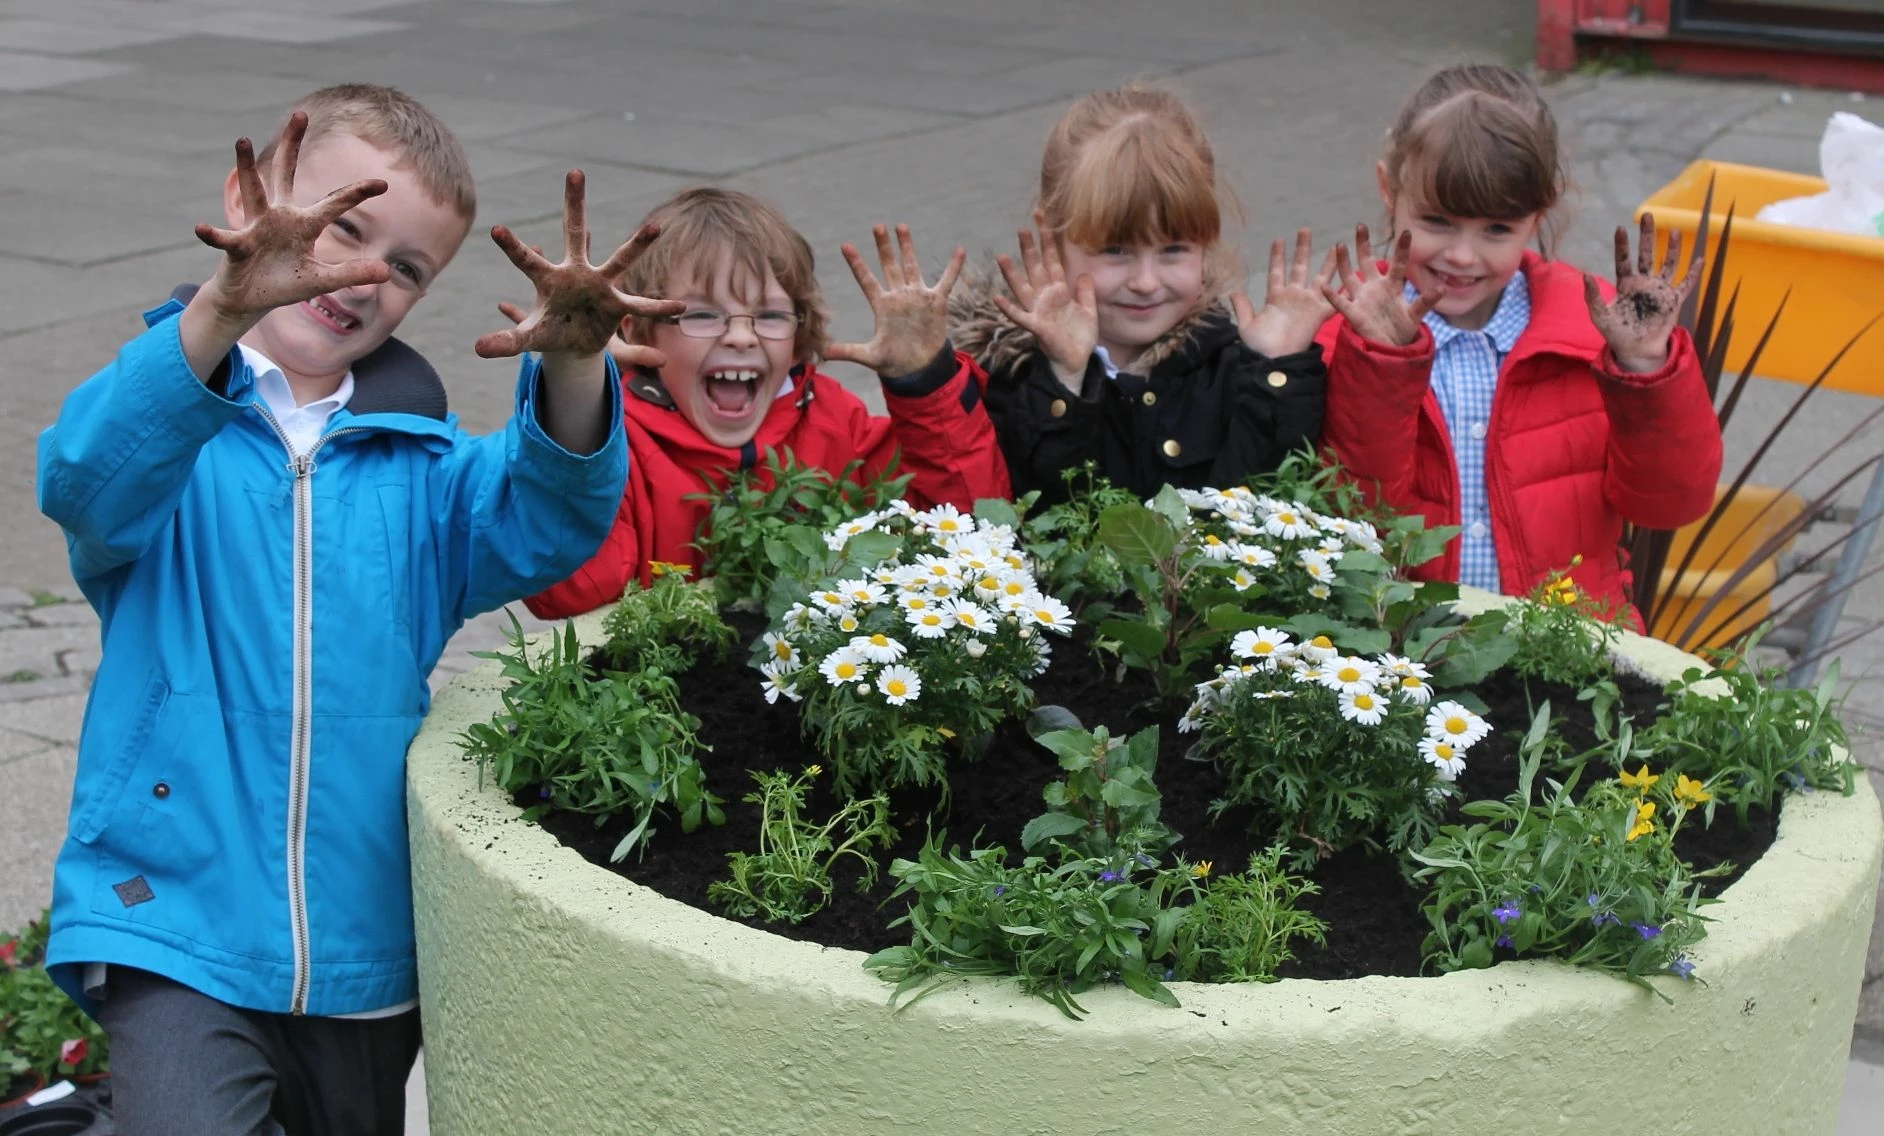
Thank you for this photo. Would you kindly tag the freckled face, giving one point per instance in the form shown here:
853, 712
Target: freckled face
1142, 290
1468, 260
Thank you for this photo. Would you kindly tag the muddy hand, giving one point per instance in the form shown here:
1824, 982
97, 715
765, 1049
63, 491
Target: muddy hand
1638, 322
1295, 306
1063, 318
1375, 303
269, 262
912, 317
578, 308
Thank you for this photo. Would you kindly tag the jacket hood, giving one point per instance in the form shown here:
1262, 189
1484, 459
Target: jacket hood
977, 327
392, 379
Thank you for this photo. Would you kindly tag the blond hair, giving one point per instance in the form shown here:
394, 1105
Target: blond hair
393, 121
1478, 140
1133, 166
697, 223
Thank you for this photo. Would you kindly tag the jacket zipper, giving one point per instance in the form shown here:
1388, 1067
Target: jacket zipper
301, 739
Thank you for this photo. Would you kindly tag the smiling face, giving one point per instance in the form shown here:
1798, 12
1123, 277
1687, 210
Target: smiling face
1143, 290
1467, 260
317, 341
724, 386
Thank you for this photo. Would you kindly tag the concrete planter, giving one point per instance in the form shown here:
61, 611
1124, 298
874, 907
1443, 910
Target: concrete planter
559, 997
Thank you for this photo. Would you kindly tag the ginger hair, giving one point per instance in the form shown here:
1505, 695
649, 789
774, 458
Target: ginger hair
1478, 140
696, 224
395, 122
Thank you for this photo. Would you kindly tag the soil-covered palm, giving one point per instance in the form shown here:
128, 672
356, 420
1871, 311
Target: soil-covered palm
1374, 303
1063, 317
269, 262
911, 317
578, 308
1294, 307
1638, 322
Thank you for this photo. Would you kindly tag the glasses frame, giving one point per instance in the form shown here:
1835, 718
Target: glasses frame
727, 318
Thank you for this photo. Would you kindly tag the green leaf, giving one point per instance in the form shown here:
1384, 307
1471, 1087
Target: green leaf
1120, 795
1046, 719
806, 542
1169, 504
1232, 617
1136, 534
1146, 641
1046, 826
871, 547
1141, 983
997, 511
1023, 930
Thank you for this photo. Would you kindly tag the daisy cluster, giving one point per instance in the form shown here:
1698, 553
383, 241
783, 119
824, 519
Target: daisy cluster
1251, 534
958, 591
1270, 665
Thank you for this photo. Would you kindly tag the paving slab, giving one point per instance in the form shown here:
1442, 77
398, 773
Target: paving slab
34, 794
22, 71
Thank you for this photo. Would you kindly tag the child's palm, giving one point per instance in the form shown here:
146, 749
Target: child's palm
270, 262
1637, 324
912, 317
1375, 303
1063, 318
1294, 308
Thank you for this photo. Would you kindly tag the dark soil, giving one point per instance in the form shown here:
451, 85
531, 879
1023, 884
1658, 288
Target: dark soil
1373, 914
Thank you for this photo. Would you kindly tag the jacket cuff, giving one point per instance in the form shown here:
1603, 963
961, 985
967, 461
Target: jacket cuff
1680, 352
529, 393
1421, 348
932, 377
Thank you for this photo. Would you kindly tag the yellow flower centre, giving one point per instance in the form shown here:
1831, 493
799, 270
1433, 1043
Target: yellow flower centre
846, 670
932, 620
949, 526
1363, 702
967, 619
782, 649
879, 640
1286, 518
1455, 725
1348, 674
1212, 540
896, 688
1014, 588
1412, 682
1321, 641
942, 591
1043, 615
1263, 648
848, 623
1444, 751
917, 603
833, 598
938, 570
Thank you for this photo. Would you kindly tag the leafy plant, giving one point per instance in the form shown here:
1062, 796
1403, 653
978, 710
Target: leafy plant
667, 627
1657, 582
1752, 739
1331, 750
601, 743
1060, 930
1108, 799
1241, 926
1560, 634
43, 1033
1069, 559
789, 878
744, 535
1594, 882
918, 642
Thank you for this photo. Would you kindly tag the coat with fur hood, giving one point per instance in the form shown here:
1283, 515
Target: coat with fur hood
936, 431
1198, 408
1576, 446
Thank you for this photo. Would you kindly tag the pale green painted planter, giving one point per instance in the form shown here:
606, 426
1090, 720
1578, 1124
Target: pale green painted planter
560, 998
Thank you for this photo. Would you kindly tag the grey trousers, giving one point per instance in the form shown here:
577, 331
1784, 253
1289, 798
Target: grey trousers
184, 1064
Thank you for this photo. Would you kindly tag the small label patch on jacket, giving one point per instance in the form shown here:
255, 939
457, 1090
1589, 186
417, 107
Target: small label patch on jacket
134, 891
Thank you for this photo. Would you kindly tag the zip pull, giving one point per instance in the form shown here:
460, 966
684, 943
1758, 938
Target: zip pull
302, 465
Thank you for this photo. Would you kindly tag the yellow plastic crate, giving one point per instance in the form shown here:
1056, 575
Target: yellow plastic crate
1837, 281
1762, 511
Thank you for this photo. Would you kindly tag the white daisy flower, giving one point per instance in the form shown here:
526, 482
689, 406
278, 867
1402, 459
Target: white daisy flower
1320, 649
1445, 756
777, 683
975, 648
1316, 565
1043, 656
843, 665
931, 622
878, 648
779, 649
1241, 580
988, 586
1403, 666
1413, 688
903, 509
938, 568
1351, 674
1290, 522
840, 536
1332, 547
1451, 722
1255, 556
1215, 547
1050, 613
968, 615
1015, 561
1320, 591
863, 593
831, 600
1270, 695
1263, 644
899, 684
975, 559
1362, 535
847, 622
1363, 707
798, 617
1193, 719
946, 519
915, 601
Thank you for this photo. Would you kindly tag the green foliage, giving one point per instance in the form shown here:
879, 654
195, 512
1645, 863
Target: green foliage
1561, 635
601, 743
1751, 738
1241, 928
1060, 930
746, 534
789, 878
1069, 559
39, 1025
1594, 881
1108, 799
667, 627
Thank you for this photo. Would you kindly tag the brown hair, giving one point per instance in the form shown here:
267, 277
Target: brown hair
1134, 166
1478, 140
696, 223
393, 121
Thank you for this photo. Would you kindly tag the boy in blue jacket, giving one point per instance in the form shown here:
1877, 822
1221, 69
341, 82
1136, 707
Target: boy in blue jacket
280, 527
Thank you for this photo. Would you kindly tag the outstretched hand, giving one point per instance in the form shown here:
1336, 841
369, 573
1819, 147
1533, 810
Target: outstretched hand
578, 307
269, 262
1063, 318
1293, 308
1638, 322
1375, 303
912, 317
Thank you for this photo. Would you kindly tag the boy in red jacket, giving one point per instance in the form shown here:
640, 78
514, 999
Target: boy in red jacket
734, 376
1488, 387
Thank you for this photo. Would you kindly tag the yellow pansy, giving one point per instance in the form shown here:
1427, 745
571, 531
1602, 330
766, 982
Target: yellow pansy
1201, 869
1641, 779
1690, 792
813, 770
1644, 819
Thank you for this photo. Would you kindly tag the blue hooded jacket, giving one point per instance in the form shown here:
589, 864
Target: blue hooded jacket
238, 819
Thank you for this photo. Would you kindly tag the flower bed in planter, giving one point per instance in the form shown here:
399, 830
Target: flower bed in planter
562, 997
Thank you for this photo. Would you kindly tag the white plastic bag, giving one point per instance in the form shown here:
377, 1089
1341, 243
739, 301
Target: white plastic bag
1851, 160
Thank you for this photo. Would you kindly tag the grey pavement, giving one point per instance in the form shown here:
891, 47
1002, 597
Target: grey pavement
117, 117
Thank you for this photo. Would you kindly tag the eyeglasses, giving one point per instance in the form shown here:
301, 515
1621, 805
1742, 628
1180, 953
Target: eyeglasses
711, 323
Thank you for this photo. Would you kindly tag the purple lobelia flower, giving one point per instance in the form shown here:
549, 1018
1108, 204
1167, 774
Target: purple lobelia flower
1507, 912
1503, 941
1108, 877
1646, 930
1000, 889
1681, 968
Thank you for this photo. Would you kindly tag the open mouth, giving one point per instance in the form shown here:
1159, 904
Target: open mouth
331, 314
1454, 283
732, 390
